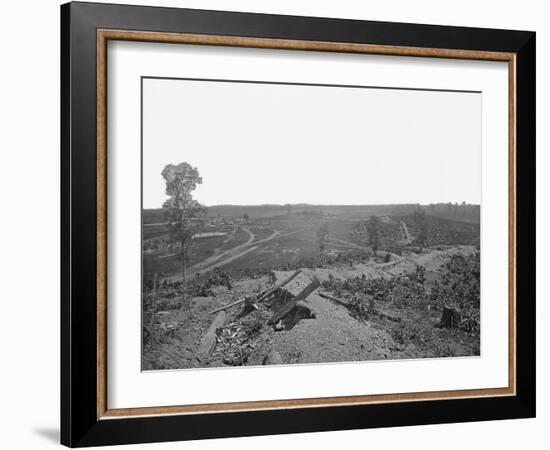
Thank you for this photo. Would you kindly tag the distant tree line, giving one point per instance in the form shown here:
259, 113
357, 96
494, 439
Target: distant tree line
456, 210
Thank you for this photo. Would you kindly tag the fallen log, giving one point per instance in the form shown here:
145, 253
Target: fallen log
291, 304
388, 317
262, 296
209, 340
333, 299
222, 308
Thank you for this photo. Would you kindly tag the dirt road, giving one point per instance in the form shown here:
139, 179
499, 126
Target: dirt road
227, 256
216, 259
232, 254
405, 232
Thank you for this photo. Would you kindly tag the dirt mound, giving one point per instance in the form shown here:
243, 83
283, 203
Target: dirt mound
331, 335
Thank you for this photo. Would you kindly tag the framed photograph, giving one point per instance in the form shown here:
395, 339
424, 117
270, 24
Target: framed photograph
277, 224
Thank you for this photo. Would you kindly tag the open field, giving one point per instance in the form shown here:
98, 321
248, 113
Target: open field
390, 304
283, 241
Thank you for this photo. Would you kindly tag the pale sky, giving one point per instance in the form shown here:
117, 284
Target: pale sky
266, 143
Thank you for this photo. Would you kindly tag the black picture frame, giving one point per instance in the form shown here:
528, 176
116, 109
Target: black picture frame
80, 425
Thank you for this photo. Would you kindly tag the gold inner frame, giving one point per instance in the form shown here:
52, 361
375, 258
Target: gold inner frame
104, 35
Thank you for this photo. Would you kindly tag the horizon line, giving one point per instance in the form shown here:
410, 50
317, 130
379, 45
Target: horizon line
331, 204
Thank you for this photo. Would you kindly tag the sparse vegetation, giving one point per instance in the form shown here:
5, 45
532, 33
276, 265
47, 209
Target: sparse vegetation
459, 287
205, 287
419, 302
398, 293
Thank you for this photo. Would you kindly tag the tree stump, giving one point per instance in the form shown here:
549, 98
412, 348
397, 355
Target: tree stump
272, 358
450, 318
250, 304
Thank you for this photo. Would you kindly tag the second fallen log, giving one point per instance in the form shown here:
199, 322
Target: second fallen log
209, 340
291, 304
334, 299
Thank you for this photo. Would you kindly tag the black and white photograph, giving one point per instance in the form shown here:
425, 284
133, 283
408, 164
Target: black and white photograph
275, 225
287, 223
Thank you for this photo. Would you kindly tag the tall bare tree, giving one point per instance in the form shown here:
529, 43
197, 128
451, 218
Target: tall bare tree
373, 229
180, 207
322, 238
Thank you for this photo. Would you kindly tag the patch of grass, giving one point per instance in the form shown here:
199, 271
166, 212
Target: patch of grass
205, 287
361, 307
